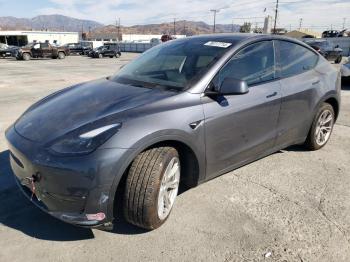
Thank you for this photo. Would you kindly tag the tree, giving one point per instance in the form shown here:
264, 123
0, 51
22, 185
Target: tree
246, 27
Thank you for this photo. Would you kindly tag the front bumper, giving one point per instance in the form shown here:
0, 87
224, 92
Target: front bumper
73, 189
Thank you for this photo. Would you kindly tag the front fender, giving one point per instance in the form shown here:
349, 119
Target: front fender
161, 136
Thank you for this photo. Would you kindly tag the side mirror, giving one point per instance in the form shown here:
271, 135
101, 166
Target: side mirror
233, 86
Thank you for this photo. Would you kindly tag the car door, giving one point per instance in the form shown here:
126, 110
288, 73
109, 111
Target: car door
46, 50
240, 128
107, 51
300, 85
36, 50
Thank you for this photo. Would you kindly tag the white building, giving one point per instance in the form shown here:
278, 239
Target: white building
21, 38
144, 38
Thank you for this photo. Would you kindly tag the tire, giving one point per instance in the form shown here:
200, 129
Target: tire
338, 60
110, 56
26, 56
117, 55
146, 187
61, 55
315, 139
100, 56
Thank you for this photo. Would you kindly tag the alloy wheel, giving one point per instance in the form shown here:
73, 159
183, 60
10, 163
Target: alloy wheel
169, 188
324, 127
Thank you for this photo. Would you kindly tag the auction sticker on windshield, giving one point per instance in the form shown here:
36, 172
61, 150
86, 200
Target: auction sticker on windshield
218, 44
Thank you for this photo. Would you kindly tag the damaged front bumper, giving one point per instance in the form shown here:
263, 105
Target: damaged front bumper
74, 189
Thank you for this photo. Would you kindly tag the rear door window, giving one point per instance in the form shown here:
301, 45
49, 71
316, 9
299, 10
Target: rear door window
295, 59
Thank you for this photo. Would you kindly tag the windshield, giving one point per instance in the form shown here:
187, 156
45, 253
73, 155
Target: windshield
174, 64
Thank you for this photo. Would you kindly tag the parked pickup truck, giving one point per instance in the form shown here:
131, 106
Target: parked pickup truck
42, 50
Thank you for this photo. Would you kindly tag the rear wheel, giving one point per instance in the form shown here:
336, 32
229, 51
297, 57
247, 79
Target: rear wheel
321, 128
117, 55
338, 60
100, 56
151, 187
61, 55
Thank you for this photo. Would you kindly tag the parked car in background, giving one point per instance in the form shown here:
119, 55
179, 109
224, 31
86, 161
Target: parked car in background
82, 48
155, 41
41, 50
183, 112
166, 38
107, 50
335, 33
345, 68
330, 33
325, 48
8, 51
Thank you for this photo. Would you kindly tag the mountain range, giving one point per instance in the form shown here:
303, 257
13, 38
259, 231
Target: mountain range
65, 23
48, 22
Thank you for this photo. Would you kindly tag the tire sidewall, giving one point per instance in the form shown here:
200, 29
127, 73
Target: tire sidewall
152, 211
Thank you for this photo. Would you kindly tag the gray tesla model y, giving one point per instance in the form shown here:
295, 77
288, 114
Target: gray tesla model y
183, 112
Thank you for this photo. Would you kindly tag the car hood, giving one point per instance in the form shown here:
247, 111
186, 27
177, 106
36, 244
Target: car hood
73, 107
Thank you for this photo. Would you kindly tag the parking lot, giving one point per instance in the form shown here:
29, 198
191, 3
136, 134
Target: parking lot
290, 206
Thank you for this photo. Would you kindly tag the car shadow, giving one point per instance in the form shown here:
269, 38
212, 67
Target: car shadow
345, 85
17, 212
295, 148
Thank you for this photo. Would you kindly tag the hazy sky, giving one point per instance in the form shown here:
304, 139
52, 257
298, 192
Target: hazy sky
315, 14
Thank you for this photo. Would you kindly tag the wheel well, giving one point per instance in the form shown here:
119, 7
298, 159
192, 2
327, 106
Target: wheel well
189, 171
334, 103
189, 162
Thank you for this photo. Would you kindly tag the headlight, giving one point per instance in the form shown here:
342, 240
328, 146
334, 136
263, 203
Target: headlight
84, 141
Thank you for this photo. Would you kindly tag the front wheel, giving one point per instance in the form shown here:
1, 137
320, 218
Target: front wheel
151, 187
61, 55
321, 128
26, 56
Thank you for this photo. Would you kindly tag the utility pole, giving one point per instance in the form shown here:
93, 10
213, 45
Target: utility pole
232, 29
214, 12
276, 14
174, 26
185, 27
344, 22
117, 23
300, 23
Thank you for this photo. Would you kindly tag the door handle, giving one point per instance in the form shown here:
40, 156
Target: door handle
272, 95
316, 82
